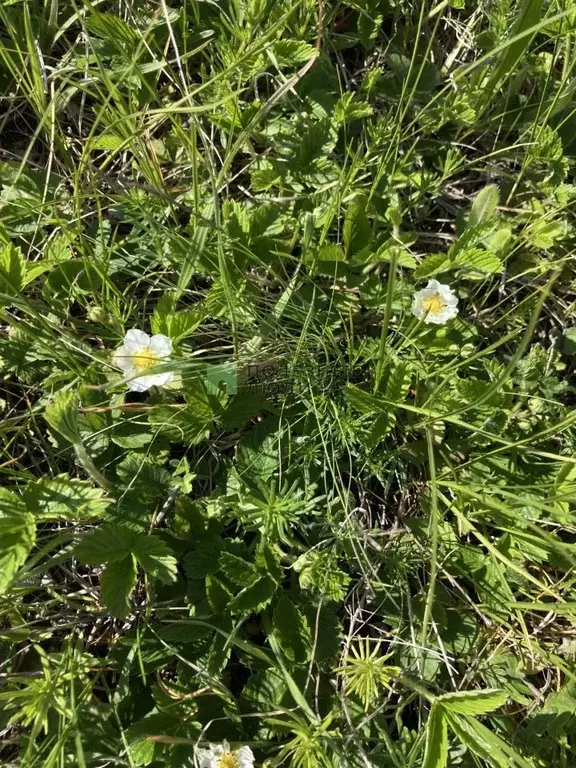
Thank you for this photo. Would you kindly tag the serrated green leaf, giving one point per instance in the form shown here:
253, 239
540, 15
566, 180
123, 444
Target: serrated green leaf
318, 571
17, 535
289, 53
105, 545
257, 453
62, 415
12, 271
219, 654
479, 260
236, 569
182, 424
432, 265
155, 557
113, 29
255, 596
369, 23
117, 582
357, 231
267, 562
63, 497
291, 630
178, 325
484, 206
436, 753
219, 596
473, 702
312, 143
543, 234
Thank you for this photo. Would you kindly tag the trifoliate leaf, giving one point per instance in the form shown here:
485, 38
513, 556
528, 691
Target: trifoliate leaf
177, 325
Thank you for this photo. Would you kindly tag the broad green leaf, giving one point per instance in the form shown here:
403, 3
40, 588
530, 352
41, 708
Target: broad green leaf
177, 325
436, 752
357, 232
290, 53
236, 569
484, 206
479, 260
105, 545
62, 415
254, 597
219, 596
473, 702
431, 265
114, 30
17, 535
12, 271
181, 424
544, 234
312, 143
257, 454
63, 497
290, 628
369, 23
155, 557
117, 582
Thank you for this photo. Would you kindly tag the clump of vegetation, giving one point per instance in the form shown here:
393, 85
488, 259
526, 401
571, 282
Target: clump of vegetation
286, 359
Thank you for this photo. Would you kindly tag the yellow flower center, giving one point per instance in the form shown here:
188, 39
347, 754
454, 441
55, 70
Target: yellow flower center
228, 761
433, 304
144, 358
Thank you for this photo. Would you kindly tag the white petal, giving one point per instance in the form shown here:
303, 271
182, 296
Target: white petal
207, 758
124, 359
447, 295
245, 757
161, 345
143, 383
135, 340
160, 379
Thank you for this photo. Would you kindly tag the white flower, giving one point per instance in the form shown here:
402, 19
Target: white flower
221, 756
436, 303
140, 352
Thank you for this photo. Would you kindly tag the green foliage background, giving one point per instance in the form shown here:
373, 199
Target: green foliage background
367, 561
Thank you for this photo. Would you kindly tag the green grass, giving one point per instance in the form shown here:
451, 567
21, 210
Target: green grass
339, 535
